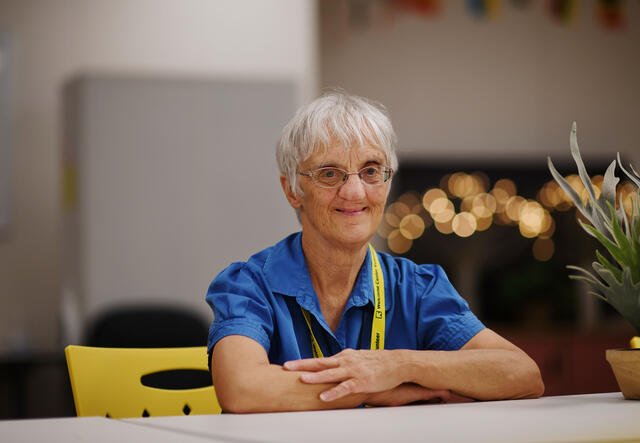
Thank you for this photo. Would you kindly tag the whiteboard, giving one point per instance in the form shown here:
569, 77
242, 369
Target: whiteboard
168, 181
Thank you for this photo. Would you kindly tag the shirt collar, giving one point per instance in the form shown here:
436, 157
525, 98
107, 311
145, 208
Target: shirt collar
286, 271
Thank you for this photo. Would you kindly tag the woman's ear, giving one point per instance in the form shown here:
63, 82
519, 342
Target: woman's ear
292, 197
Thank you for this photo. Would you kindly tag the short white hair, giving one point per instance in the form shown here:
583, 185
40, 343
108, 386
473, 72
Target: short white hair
336, 116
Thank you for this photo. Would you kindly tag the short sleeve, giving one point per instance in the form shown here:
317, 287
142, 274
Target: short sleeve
445, 321
239, 298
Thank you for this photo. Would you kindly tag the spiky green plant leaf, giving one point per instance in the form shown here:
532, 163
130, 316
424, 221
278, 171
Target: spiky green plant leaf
635, 177
616, 271
609, 184
582, 171
618, 282
611, 246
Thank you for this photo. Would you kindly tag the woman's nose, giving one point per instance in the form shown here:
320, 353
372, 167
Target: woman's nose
353, 188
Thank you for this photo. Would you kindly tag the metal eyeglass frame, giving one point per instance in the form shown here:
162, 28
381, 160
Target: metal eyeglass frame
387, 173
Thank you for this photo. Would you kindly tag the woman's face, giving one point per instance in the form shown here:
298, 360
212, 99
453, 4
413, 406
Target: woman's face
346, 216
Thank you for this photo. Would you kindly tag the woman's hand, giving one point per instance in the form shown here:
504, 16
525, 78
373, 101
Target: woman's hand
408, 393
361, 371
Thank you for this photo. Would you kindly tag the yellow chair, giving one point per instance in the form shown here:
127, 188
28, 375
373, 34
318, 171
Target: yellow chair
109, 382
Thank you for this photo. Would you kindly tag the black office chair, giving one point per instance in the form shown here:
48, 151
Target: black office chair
154, 327
147, 327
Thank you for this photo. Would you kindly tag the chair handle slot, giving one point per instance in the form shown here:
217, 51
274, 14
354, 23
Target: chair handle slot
177, 379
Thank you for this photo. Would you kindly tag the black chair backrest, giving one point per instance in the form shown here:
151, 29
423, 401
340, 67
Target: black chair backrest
147, 327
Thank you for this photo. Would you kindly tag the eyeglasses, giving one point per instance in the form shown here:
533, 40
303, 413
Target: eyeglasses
330, 177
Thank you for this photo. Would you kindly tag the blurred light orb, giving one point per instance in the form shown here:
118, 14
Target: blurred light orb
464, 224
410, 199
506, 185
454, 184
484, 205
442, 210
584, 194
543, 249
597, 181
484, 223
544, 197
553, 193
412, 226
467, 203
444, 216
532, 214
462, 185
430, 196
625, 189
444, 227
513, 207
531, 219
576, 184
482, 182
562, 201
631, 202
547, 221
501, 197
629, 195
526, 231
399, 208
398, 243
392, 218
547, 232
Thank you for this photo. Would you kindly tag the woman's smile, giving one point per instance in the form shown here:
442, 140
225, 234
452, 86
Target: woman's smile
352, 211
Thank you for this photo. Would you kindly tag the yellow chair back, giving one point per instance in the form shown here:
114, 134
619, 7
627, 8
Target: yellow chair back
107, 382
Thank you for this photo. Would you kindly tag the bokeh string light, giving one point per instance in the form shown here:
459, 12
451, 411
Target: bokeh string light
480, 206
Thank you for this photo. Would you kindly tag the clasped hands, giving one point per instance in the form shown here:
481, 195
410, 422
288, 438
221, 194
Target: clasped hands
377, 373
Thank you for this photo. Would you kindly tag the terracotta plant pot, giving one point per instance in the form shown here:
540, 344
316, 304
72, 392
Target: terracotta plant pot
626, 367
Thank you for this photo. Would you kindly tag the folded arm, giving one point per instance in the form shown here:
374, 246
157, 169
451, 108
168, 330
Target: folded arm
245, 381
488, 367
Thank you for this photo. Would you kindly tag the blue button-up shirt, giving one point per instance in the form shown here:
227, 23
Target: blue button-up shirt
262, 299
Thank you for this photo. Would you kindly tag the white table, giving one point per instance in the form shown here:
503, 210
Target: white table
89, 430
593, 417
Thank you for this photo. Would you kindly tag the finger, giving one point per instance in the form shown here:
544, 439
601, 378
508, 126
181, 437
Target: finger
405, 394
442, 395
408, 393
326, 376
310, 364
337, 392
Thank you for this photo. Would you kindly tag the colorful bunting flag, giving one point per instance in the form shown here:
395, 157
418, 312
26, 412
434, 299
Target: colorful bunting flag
484, 8
611, 14
564, 11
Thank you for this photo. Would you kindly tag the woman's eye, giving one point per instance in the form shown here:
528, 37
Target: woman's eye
329, 174
371, 171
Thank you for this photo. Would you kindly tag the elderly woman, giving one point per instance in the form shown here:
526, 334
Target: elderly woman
321, 320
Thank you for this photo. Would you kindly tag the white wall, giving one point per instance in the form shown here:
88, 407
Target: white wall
53, 40
500, 89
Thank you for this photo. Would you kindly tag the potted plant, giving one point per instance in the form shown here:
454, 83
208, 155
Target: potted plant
616, 277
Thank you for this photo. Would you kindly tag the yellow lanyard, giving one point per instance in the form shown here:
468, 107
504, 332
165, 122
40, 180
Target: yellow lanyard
377, 324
